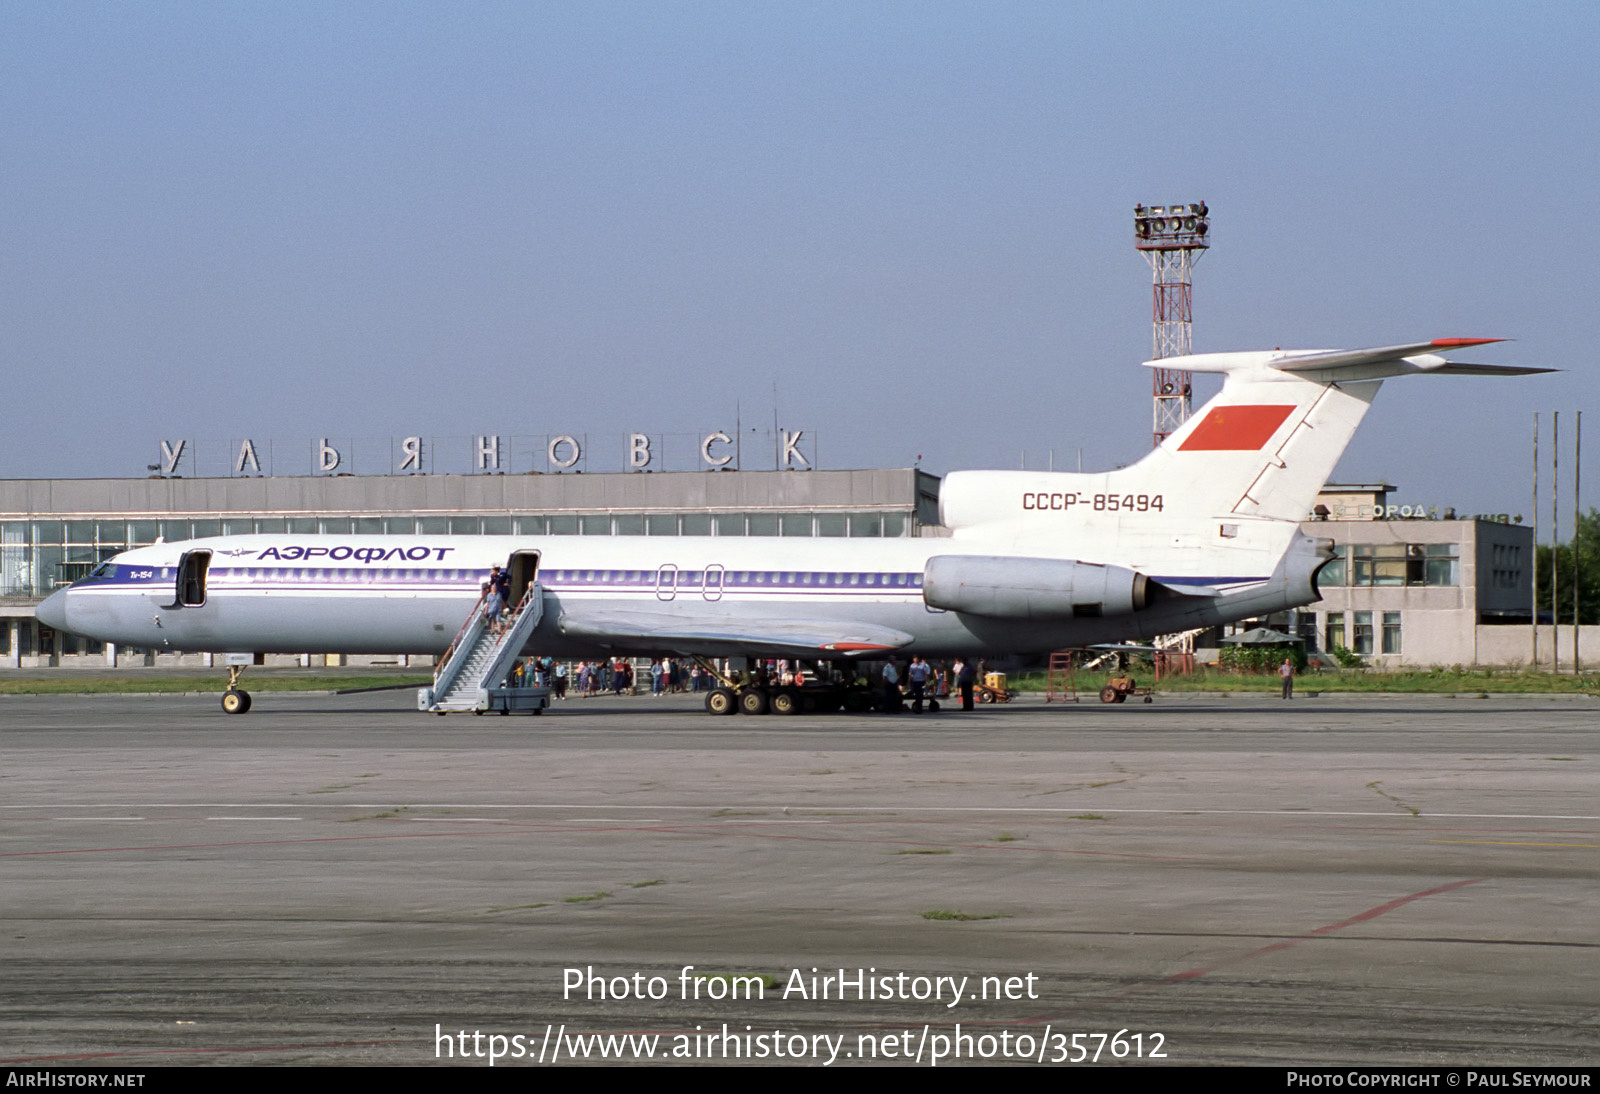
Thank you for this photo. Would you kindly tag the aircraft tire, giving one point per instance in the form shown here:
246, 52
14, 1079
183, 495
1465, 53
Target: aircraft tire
754, 702
785, 702
235, 701
722, 701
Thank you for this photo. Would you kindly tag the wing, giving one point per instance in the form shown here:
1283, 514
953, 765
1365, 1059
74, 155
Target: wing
652, 632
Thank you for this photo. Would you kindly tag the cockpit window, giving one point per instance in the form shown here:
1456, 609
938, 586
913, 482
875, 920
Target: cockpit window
102, 572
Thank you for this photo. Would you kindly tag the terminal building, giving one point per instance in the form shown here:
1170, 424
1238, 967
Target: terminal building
1409, 587
1406, 588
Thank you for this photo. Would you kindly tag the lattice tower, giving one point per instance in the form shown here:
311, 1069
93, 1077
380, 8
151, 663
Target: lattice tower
1171, 238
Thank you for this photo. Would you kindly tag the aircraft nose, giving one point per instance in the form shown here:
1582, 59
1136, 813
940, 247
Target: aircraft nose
52, 610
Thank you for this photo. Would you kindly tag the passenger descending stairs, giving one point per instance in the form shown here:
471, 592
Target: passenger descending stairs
473, 673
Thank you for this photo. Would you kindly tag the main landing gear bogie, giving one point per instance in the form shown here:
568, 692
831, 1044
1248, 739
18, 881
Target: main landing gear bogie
787, 701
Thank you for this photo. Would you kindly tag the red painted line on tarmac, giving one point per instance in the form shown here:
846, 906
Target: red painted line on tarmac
1361, 917
1195, 974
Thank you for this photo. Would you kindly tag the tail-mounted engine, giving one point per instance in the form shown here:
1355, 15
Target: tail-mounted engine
1004, 587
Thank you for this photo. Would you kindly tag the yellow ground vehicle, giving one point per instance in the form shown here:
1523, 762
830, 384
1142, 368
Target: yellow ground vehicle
993, 689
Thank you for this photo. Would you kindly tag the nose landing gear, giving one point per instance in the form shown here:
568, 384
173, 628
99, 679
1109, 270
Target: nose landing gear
235, 700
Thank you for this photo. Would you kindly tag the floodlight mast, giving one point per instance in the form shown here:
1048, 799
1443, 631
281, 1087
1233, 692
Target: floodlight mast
1171, 238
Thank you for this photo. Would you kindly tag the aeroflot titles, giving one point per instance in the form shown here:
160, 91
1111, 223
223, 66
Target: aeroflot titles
356, 554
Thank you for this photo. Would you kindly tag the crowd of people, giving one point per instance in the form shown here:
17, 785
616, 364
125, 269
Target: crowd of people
615, 676
924, 681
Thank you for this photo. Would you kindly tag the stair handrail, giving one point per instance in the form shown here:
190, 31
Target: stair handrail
450, 650
527, 595
511, 622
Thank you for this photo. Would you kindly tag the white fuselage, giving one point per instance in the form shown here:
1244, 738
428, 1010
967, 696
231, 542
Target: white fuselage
410, 594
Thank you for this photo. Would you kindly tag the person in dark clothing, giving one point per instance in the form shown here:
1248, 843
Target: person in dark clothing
965, 679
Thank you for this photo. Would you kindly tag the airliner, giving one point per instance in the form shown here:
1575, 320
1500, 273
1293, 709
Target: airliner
1203, 530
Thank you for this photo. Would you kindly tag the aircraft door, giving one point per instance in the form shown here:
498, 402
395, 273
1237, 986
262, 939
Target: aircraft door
711, 589
523, 568
192, 570
667, 581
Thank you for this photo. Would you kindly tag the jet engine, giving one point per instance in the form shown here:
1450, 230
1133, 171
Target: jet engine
1045, 589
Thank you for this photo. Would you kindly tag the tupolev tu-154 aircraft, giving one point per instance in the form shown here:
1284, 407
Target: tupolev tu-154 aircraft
1203, 530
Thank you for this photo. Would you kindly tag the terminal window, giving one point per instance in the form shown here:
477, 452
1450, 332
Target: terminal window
1391, 632
1334, 632
1393, 565
1363, 634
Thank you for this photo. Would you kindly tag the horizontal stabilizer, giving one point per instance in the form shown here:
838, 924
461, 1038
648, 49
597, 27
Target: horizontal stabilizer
1348, 358
1337, 366
1461, 368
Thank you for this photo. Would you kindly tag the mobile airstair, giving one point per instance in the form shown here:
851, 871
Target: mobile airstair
474, 671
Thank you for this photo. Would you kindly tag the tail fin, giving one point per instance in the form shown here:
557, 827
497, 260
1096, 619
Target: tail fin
1266, 444
1262, 447
1255, 454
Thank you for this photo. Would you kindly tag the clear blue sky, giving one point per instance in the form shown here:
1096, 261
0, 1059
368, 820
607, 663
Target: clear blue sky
286, 220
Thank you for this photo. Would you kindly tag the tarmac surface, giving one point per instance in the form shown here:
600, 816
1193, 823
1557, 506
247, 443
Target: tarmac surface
340, 879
